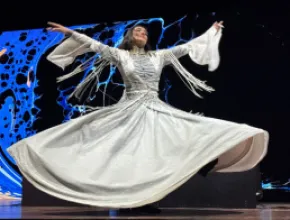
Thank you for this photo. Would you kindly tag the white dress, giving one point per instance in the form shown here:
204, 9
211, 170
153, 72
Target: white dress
139, 150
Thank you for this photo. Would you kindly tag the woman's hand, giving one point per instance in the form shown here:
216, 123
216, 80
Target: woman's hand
3, 51
218, 25
58, 28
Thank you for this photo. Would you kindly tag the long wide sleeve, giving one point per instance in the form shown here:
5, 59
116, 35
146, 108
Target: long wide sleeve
77, 44
203, 50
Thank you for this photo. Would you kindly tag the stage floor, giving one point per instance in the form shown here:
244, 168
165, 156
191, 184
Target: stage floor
13, 209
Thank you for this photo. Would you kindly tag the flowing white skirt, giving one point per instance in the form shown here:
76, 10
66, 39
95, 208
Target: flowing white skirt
133, 153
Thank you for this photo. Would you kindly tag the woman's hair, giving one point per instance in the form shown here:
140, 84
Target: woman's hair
127, 43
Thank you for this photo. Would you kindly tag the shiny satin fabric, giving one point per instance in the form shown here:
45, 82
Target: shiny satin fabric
139, 150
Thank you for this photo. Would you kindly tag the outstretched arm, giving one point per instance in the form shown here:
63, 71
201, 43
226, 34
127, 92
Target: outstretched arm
202, 50
78, 44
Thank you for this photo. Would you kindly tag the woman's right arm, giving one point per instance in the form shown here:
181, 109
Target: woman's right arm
78, 44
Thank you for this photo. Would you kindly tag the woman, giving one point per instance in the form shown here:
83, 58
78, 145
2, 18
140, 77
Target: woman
139, 150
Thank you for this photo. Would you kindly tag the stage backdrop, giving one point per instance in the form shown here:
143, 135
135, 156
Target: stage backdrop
32, 101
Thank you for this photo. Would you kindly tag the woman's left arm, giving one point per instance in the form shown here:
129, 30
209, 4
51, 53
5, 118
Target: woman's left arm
203, 50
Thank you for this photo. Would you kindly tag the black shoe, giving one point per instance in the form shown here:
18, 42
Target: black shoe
207, 168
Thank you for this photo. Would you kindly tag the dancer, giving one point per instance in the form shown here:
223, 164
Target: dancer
139, 150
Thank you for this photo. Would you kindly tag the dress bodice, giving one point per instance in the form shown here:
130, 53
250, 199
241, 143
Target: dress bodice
142, 74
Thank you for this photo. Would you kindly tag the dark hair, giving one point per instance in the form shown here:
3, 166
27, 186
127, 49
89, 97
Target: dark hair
127, 43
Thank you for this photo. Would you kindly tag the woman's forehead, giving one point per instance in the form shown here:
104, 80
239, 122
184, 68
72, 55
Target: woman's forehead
139, 28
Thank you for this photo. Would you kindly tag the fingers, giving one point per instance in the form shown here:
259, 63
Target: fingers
220, 24
53, 24
53, 29
3, 51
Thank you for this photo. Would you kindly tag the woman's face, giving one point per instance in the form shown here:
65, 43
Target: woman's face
140, 36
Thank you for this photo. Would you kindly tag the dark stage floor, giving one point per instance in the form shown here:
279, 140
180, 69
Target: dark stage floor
13, 209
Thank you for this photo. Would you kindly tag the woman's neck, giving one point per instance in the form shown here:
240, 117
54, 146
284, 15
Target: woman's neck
137, 50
